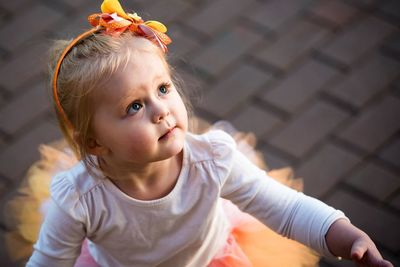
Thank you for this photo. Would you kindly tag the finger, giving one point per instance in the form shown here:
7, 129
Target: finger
385, 263
358, 250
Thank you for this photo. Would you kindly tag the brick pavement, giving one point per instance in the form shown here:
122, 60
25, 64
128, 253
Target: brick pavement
316, 80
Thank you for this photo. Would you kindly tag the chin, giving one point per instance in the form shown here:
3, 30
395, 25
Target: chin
172, 145
175, 148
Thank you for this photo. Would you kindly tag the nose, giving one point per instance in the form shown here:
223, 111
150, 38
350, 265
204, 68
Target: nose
160, 111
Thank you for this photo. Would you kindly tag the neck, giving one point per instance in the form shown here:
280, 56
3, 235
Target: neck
150, 181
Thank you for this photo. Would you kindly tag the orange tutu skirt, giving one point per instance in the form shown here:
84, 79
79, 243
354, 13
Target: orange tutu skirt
249, 244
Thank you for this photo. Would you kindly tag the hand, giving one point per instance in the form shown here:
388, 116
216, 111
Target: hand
365, 254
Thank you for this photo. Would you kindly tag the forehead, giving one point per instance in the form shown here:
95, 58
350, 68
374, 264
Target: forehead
141, 70
141, 66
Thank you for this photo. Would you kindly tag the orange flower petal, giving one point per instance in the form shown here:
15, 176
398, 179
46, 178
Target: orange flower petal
94, 19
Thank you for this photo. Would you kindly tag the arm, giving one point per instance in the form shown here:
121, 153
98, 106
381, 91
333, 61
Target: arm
347, 241
284, 210
291, 213
59, 241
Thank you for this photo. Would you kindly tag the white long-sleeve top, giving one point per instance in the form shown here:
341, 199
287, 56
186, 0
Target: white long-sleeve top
185, 228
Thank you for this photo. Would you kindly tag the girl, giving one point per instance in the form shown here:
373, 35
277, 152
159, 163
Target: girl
146, 191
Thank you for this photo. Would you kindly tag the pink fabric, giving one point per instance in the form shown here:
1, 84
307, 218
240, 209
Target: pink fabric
231, 255
85, 259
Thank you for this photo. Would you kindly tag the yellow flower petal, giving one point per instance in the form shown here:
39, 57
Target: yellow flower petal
113, 6
156, 25
135, 17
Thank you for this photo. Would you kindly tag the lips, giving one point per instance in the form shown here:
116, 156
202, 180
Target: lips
167, 134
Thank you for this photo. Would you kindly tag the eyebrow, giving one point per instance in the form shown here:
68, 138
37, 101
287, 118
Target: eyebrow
123, 102
156, 79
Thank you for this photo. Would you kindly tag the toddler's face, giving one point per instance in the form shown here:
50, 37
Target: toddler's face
139, 115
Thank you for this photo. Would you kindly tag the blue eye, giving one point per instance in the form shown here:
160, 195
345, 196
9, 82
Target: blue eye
163, 89
133, 108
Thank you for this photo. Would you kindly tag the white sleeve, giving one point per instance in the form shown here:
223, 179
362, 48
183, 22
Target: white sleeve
59, 242
286, 211
60, 237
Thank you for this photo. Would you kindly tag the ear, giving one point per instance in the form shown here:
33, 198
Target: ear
94, 148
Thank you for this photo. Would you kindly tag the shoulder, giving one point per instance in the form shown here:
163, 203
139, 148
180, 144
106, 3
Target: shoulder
213, 151
211, 145
68, 188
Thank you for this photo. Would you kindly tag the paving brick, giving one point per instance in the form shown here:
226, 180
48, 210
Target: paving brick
274, 14
28, 64
396, 201
396, 87
80, 3
362, 3
182, 43
2, 142
391, 152
225, 96
374, 180
350, 44
381, 225
5, 259
224, 50
141, 7
33, 102
300, 85
307, 129
18, 156
293, 44
365, 82
273, 159
322, 263
375, 125
4, 184
3, 16
3, 98
253, 118
73, 25
191, 84
39, 15
337, 13
392, 8
208, 20
393, 44
390, 257
165, 11
15, 6
3, 54
325, 168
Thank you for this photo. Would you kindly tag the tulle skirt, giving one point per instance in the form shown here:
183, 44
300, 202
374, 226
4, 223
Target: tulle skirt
250, 243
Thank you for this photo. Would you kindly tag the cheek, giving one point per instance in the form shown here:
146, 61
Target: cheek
181, 110
138, 139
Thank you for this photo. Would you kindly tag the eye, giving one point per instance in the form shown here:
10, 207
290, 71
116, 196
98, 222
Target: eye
164, 88
133, 108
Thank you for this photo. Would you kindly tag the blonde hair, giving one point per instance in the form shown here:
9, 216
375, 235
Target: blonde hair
86, 66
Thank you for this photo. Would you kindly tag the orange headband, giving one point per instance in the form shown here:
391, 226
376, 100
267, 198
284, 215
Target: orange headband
115, 21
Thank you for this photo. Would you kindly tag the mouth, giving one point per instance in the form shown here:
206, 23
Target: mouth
168, 134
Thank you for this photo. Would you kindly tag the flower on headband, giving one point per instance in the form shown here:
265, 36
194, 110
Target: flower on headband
116, 21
